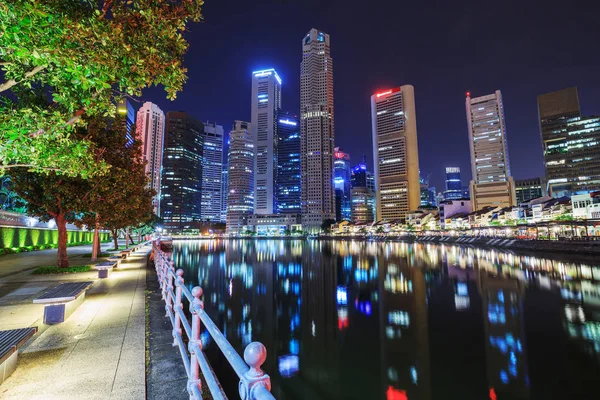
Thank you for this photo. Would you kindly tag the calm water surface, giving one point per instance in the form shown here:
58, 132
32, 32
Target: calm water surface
396, 321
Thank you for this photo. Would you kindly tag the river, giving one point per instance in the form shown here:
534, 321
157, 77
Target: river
398, 321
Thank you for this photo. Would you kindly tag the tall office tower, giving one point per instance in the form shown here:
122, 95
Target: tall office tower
453, 184
289, 181
571, 144
492, 183
127, 112
342, 181
362, 208
395, 152
316, 130
240, 159
182, 173
212, 172
150, 129
527, 189
266, 103
224, 192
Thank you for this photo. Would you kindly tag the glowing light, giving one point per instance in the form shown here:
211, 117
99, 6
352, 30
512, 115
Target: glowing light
287, 122
390, 91
468, 94
267, 72
288, 365
395, 394
342, 295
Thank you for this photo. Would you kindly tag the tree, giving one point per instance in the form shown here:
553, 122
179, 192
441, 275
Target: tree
9, 199
326, 225
84, 55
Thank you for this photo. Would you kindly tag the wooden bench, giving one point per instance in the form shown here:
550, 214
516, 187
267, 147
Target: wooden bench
126, 253
115, 259
104, 268
10, 343
62, 300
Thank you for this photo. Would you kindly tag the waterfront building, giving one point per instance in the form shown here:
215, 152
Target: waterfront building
212, 172
316, 130
266, 103
240, 160
492, 183
224, 192
342, 180
150, 130
182, 173
571, 144
527, 189
274, 224
586, 206
453, 184
450, 208
126, 111
395, 152
363, 205
289, 181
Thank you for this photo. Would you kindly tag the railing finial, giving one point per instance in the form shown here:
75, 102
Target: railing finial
255, 355
196, 291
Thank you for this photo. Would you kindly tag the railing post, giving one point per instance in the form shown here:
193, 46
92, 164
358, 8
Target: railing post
178, 305
194, 378
255, 355
168, 297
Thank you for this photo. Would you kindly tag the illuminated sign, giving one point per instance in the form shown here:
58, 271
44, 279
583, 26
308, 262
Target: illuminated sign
342, 295
287, 122
267, 72
395, 394
378, 95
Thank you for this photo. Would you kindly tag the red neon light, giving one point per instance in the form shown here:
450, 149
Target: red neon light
468, 94
493, 394
342, 323
390, 91
396, 394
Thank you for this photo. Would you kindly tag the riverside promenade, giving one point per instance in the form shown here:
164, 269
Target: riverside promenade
98, 352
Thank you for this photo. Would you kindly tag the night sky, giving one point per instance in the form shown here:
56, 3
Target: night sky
444, 49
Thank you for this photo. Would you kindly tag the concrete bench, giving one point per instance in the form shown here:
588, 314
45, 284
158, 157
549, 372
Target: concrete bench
115, 259
126, 253
10, 343
62, 300
104, 268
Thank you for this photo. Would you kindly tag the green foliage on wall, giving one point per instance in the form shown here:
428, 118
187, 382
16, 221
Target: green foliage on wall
23, 237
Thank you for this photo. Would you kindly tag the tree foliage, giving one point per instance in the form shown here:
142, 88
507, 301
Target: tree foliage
84, 55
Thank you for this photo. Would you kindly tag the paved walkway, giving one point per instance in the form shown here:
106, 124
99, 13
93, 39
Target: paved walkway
97, 353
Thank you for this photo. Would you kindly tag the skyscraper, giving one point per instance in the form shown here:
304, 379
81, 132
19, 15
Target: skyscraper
224, 192
289, 181
395, 152
150, 129
182, 174
492, 183
240, 196
342, 181
127, 112
316, 130
362, 194
266, 103
527, 189
571, 144
453, 184
212, 171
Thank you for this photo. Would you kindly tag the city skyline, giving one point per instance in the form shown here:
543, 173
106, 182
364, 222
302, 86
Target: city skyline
522, 74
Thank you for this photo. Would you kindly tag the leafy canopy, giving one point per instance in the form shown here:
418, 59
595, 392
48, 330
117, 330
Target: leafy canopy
84, 55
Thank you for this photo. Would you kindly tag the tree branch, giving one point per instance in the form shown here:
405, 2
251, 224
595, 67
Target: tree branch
28, 166
10, 83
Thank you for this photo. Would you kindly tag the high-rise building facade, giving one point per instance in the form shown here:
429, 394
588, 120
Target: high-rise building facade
240, 160
527, 189
362, 205
224, 192
453, 184
212, 172
127, 112
182, 173
150, 129
571, 144
266, 103
492, 183
395, 152
316, 130
289, 181
342, 181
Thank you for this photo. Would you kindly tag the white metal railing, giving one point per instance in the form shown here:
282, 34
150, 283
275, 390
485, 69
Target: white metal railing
254, 383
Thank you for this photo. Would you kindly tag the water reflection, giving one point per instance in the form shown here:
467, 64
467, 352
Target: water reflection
394, 321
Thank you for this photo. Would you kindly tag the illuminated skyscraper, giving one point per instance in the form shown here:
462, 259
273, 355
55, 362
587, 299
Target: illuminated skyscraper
571, 144
224, 191
212, 172
316, 130
395, 152
492, 183
342, 181
182, 175
266, 103
453, 184
289, 179
127, 112
240, 199
150, 129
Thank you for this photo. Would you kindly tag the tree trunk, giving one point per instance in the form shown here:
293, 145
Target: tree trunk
114, 233
126, 238
96, 241
62, 260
